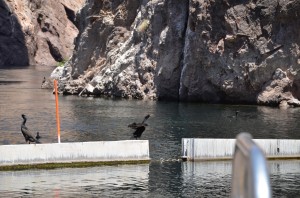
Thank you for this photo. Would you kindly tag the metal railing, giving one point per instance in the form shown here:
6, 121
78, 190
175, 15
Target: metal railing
250, 176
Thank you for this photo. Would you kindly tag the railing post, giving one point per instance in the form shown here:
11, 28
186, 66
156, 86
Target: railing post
250, 176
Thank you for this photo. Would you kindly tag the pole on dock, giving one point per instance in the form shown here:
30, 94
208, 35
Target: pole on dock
57, 111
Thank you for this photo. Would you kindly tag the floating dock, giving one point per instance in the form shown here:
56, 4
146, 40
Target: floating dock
223, 149
132, 151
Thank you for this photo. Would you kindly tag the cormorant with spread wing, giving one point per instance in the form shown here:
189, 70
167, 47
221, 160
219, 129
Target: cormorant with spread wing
139, 127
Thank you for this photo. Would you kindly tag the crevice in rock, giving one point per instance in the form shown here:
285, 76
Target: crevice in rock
217, 19
70, 14
54, 51
267, 54
13, 49
183, 47
296, 88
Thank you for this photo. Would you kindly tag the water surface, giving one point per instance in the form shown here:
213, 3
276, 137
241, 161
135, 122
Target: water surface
100, 119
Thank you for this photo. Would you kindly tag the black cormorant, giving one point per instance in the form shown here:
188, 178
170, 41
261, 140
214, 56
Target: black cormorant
37, 137
234, 116
26, 133
139, 127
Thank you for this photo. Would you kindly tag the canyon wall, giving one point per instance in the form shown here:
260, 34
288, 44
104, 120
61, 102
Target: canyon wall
37, 32
232, 51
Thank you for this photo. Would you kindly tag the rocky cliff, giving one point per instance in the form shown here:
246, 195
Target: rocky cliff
234, 51
37, 32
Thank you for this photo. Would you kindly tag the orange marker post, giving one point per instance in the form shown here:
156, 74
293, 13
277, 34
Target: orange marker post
57, 112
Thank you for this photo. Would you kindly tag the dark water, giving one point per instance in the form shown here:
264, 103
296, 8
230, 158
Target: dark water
97, 119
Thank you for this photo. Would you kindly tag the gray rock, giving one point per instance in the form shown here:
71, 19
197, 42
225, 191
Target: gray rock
211, 51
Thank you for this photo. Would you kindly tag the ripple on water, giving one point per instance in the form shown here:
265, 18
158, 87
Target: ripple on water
98, 119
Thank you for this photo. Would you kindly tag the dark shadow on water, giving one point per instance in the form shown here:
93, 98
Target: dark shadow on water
5, 82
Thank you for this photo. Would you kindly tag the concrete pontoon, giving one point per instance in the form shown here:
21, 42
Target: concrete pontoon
223, 149
98, 151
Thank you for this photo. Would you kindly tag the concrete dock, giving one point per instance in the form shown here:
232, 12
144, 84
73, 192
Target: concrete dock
100, 151
222, 149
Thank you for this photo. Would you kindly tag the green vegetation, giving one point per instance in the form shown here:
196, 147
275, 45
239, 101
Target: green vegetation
67, 165
61, 63
143, 26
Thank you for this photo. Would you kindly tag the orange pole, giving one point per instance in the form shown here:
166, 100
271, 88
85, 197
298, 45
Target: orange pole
57, 112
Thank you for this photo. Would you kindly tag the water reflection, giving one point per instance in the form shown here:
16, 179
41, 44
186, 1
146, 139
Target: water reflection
284, 121
165, 180
285, 178
104, 181
157, 179
207, 179
213, 179
97, 119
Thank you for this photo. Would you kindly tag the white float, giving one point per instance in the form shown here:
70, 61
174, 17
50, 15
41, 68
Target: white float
100, 151
223, 149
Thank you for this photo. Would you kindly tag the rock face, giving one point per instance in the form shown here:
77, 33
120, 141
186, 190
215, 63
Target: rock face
13, 50
198, 50
235, 49
37, 32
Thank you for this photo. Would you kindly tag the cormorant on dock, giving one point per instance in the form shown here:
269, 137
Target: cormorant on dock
26, 132
37, 137
139, 127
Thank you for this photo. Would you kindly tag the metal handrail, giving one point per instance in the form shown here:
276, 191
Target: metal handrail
250, 176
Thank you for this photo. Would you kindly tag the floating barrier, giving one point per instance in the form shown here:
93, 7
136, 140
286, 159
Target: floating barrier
223, 149
100, 151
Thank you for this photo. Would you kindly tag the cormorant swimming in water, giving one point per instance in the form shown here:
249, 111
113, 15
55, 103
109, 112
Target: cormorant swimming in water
26, 133
235, 116
139, 127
